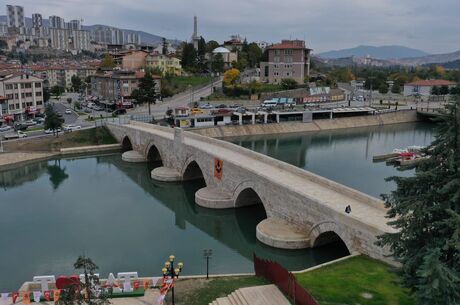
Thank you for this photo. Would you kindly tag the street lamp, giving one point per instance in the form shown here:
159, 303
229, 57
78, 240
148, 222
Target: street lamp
207, 253
170, 272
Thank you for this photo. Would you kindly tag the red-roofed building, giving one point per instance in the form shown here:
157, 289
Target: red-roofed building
288, 59
424, 87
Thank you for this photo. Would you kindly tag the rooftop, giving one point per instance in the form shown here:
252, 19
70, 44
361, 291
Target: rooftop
432, 82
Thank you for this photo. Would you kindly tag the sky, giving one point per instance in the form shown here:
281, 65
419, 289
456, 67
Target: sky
432, 26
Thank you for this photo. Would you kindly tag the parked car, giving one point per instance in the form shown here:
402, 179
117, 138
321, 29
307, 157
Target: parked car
68, 111
30, 123
5, 128
87, 110
20, 126
206, 106
97, 108
15, 135
221, 106
49, 130
39, 120
119, 111
71, 127
196, 111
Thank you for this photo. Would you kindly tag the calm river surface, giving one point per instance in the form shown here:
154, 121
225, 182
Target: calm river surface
53, 211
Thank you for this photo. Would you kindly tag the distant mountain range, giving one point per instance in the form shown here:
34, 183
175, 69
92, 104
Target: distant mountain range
382, 52
146, 38
430, 59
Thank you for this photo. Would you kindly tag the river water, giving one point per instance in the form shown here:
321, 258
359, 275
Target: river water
112, 211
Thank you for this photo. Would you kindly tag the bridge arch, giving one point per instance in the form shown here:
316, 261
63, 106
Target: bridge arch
327, 232
153, 153
192, 171
126, 144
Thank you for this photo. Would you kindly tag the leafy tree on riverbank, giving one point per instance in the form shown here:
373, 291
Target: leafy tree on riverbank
52, 120
425, 210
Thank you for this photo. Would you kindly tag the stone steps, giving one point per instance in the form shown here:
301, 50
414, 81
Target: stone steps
257, 295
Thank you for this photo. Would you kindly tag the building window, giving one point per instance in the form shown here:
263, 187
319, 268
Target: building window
9, 87
276, 59
11, 107
39, 103
38, 93
277, 52
28, 94
38, 85
287, 52
28, 85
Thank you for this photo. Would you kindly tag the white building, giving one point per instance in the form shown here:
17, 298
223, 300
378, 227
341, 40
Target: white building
424, 87
56, 22
23, 93
74, 25
59, 39
80, 40
15, 16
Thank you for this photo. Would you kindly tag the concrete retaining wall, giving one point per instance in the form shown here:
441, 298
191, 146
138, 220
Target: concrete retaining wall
317, 125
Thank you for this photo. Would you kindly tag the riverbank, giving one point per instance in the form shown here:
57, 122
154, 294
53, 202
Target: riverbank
317, 125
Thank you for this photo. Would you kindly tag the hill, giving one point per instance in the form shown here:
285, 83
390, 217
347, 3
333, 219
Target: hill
430, 59
382, 52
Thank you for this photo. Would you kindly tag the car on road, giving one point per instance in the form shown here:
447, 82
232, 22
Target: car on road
71, 127
119, 111
206, 106
195, 111
49, 130
15, 135
68, 111
5, 128
39, 120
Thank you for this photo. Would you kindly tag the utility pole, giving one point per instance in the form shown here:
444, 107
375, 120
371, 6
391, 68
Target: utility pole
207, 255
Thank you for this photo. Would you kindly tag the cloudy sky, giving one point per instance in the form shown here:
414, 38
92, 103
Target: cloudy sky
432, 26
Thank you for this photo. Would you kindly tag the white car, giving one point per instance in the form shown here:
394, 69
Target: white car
72, 127
68, 111
49, 130
5, 128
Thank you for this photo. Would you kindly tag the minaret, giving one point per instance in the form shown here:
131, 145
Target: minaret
195, 37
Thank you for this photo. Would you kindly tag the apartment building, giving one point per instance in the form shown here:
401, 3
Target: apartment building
15, 16
288, 59
167, 64
23, 94
118, 85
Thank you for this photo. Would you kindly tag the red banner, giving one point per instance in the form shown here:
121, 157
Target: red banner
218, 168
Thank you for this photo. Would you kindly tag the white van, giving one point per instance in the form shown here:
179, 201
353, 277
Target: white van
269, 103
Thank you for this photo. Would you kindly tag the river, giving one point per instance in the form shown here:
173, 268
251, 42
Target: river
112, 211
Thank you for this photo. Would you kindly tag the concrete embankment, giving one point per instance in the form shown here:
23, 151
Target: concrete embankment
13, 159
317, 125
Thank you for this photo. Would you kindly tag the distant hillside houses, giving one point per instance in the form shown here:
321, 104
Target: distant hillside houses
425, 87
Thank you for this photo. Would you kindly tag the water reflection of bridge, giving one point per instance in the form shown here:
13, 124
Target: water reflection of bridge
233, 227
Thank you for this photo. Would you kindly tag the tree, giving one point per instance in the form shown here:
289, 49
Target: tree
231, 77
396, 88
69, 100
288, 84
383, 89
425, 212
189, 57
435, 90
211, 45
76, 83
254, 54
52, 120
108, 62
57, 91
444, 90
146, 90
455, 90
218, 63
88, 291
46, 94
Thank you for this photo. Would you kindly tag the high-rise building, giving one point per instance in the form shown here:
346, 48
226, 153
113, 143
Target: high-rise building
59, 39
108, 35
80, 40
15, 16
132, 38
56, 22
37, 20
74, 25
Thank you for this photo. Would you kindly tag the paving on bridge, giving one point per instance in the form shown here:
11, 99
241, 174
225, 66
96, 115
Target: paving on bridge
302, 208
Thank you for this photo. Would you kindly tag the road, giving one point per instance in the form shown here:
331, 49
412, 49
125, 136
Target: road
182, 99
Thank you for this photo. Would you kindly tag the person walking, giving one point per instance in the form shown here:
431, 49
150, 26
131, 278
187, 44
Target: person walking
348, 209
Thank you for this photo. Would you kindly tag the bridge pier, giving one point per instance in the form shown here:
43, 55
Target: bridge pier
212, 198
166, 174
133, 157
279, 233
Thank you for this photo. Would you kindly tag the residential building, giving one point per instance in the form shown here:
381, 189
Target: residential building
15, 16
235, 43
59, 39
80, 40
37, 20
24, 94
74, 25
424, 87
167, 64
118, 85
288, 59
107, 35
169, 49
62, 76
133, 60
134, 38
56, 22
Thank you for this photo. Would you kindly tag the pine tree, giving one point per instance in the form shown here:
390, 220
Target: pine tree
425, 210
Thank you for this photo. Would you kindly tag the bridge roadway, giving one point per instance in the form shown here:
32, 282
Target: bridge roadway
303, 209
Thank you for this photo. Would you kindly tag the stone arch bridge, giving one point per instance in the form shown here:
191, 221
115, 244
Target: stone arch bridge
303, 209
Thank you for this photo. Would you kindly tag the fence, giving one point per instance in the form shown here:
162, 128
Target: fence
284, 280
118, 120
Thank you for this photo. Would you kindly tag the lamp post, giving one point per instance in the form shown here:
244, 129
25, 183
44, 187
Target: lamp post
207, 253
169, 272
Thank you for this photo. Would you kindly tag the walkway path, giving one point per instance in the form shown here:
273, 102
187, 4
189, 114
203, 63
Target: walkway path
257, 295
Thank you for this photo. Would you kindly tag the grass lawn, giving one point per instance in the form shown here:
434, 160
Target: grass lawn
185, 81
345, 283
203, 292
